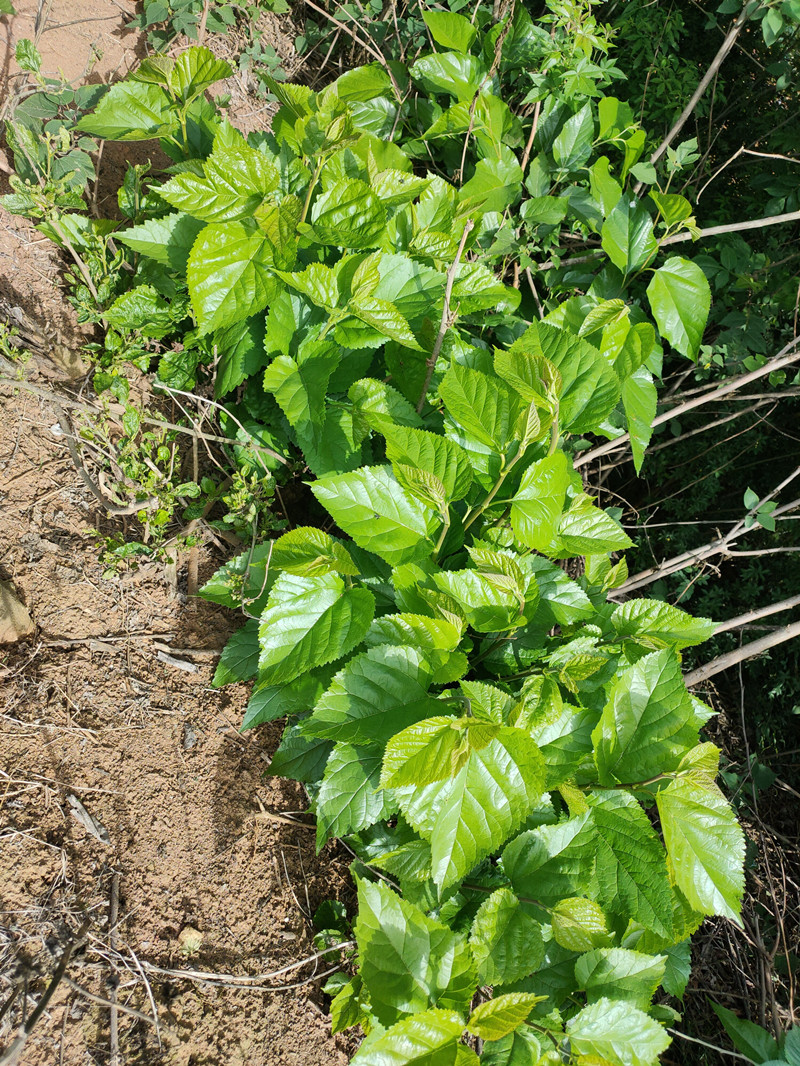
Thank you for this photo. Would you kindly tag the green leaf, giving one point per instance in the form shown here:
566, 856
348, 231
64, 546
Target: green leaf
471, 815
309, 552
486, 408
433, 750
371, 507
348, 800
678, 968
241, 353
506, 941
167, 240
552, 862
680, 298
537, 506
627, 236
407, 960
450, 30
377, 694
620, 974
639, 399
449, 72
380, 405
495, 185
230, 274
672, 207
300, 758
631, 866
617, 1033
791, 1046
520, 1048
587, 387
500, 1016
489, 602
562, 598
301, 388
195, 70
750, 1039
345, 1006
428, 634
432, 453
660, 623
268, 702
242, 581
586, 530
143, 310
579, 924
385, 318
310, 621
348, 215
573, 145
131, 111
239, 658
7, 8
705, 845
426, 1039
235, 182
648, 722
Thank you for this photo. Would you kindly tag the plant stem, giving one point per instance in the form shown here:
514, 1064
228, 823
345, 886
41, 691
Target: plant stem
447, 318
78, 261
309, 192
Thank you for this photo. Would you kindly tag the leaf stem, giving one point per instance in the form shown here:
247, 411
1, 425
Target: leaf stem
447, 318
309, 192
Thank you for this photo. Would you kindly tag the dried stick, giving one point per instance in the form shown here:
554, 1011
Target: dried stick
738, 655
448, 318
758, 612
113, 1017
716, 63
364, 44
783, 358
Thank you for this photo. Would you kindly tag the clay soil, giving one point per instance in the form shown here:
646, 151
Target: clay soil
213, 872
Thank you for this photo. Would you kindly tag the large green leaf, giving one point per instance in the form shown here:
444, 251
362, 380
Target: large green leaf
471, 815
627, 236
268, 702
705, 845
408, 961
372, 508
586, 530
433, 750
520, 1048
639, 400
506, 941
426, 1039
301, 388
235, 181
131, 111
573, 145
485, 406
348, 800
300, 758
631, 868
680, 298
459, 75
617, 1033
537, 506
348, 215
309, 551
239, 659
660, 623
489, 602
310, 621
167, 240
229, 274
647, 724
377, 694
241, 353
450, 30
432, 453
748, 1038
552, 862
620, 974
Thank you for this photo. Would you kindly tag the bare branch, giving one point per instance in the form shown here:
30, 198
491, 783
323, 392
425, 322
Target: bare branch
758, 612
738, 655
786, 356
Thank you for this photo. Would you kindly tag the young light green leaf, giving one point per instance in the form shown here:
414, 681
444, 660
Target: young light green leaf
617, 1033
382, 406
349, 799
432, 453
471, 815
372, 508
308, 551
407, 960
230, 274
537, 506
579, 924
426, 1039
377, 694
705, 845
490, 602
348, 215
680, 299
620, 974
661, 623
433, 750
639, 400
428, 634
647, 724
195, 70
586, 530
310, 621
500, 1016
506, 941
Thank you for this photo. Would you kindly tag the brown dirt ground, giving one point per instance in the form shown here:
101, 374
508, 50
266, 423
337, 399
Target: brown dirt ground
151, 751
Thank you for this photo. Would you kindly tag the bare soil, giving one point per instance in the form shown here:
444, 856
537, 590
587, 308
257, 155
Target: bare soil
119, 768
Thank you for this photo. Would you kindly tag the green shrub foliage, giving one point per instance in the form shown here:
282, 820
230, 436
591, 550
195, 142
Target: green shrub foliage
512, 755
